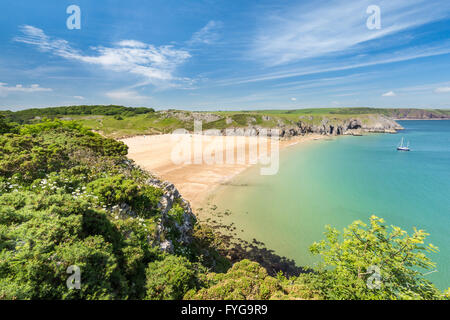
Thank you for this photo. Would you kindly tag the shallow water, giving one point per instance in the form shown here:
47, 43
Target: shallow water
349, 178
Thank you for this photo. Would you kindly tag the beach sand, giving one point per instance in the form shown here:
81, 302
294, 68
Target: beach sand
197, 180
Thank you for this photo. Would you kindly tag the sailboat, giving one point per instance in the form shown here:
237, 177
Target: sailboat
401, 147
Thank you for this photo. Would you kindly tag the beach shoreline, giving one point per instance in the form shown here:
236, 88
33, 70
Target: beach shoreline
197, 182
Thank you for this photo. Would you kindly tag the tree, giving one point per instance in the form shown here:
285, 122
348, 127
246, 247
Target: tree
373, 262
5, 127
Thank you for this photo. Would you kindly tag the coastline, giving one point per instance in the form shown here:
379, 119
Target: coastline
196, 182
247, 207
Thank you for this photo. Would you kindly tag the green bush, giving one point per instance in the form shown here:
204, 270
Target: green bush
5, 126
28, 158
350, 259
114, 190
170, 278
52, 177
52, 146
246, 280
177, 213
40, 239
117, 189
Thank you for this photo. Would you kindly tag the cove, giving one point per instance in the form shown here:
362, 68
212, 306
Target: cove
348, 178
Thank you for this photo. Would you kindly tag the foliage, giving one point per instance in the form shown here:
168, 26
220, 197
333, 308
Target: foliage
352, 257
245, 280
205, 249
171, 278
27, 115
5, 126
41, 239
346, 272
50, 146
114, 190
60, 187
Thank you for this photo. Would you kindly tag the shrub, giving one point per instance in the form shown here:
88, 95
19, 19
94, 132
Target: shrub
170, 278
117, 189
246, 280
177, 213
114, 190
353, 256
28, 158
55, 178
5, 126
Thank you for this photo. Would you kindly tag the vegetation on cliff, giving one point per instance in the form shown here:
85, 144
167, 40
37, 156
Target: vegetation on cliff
70, 197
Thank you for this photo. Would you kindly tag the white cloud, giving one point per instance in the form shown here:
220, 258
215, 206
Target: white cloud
79, 97
347, 64
442, 90
125, 95
389, 94
345, 94
293, 99
208, 34
156, 65
319, 28
131, 44
5, 89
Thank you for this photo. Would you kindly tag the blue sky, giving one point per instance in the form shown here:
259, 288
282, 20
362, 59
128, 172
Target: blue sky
227, 55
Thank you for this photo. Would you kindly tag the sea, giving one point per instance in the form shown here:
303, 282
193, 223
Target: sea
340, 180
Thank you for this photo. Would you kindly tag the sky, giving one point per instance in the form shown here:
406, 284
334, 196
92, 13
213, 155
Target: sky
225, 55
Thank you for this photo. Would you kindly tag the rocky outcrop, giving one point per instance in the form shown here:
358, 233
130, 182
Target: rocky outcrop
183, 227
169, 231
345, 124
187, 116
335, 126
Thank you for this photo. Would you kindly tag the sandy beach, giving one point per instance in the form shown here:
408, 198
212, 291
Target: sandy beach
195, 174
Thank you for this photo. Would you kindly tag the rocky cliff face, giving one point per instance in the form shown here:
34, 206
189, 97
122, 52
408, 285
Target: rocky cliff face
182, 226
350, 126
175, 221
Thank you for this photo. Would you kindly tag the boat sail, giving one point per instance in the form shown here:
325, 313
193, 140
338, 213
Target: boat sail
401, 147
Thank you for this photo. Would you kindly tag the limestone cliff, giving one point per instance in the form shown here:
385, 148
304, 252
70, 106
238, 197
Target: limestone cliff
326, 126
182, 226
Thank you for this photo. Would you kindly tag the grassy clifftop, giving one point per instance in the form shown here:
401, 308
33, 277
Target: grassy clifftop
119, 121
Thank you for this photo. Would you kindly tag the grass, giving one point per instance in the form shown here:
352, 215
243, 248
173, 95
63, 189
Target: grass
159, 122
129, 126
130, 123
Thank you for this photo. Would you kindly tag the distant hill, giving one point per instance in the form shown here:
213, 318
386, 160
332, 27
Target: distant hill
395, 113
24, 116
403, 114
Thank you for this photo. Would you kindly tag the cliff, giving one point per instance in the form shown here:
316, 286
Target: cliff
251, 124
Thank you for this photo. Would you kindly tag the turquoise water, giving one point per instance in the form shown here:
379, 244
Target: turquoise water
336, 182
